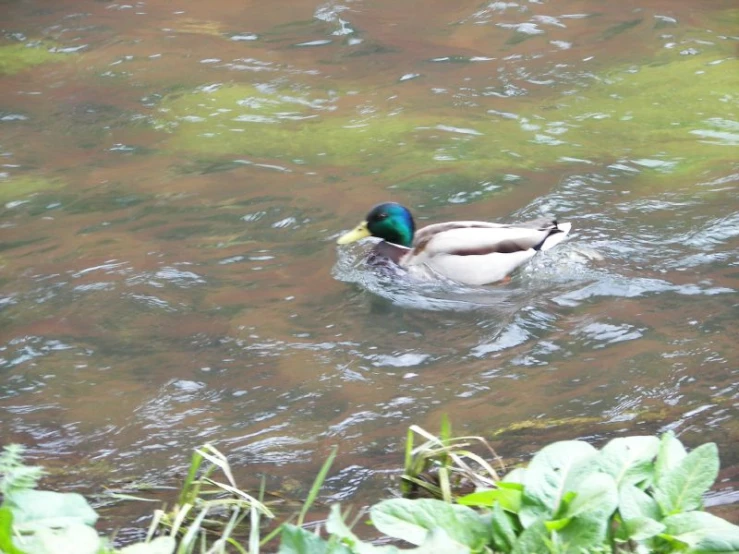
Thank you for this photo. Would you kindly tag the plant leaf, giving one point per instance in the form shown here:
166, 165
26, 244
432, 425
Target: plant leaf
514, 476
590, 512
534, 539
634, 503
437, 540
509, 498
504, 534
596, 498
160, 545
485, 497
336, 525
14, 474
545, 478
296, 540
53, 509
642, 528
412, 520
38, 538
629, 459
671, 453
681, 490
6, 532
702, 532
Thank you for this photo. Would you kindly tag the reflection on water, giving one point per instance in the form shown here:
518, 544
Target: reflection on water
173, 179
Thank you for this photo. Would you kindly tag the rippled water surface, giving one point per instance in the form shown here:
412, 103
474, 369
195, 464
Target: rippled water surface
173, 176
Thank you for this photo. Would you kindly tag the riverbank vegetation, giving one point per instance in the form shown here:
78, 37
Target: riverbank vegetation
641, 494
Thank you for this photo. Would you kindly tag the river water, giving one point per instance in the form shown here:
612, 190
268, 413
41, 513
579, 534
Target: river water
174, 175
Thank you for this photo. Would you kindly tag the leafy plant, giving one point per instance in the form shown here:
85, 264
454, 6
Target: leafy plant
636, 495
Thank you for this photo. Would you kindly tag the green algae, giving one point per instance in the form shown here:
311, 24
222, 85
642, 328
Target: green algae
657, 111
20, 187
671, 116
17, 57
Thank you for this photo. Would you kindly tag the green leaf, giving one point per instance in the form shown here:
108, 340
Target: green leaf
504, 533
535, 539
557, 524
296, 540
514, 476
642, 528
52, 509
509, 498
160, 545
545, 478
485, 497
437, 540
14, 474
671, 454
596, 498
336, 525
634, 503
590, 512
38, 538
412, 520
6, 532
682, 489
629, 459
702, 532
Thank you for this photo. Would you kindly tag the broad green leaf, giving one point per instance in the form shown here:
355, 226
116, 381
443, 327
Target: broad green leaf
642, 528
160, 545
514, 476
38, 538
485, 497
545, 478
510, 485
6, 532
336, 525
634, 503
296, 540
702, 532
596, 497
504, 533
437, 540
535, 539
629, 459
412, 520
590, 512
671, 454
54, 509
682, 489
581, 535
509, 498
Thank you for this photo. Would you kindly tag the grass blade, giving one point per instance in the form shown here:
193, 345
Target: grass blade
317, 484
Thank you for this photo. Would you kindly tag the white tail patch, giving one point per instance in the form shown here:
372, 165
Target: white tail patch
555, 238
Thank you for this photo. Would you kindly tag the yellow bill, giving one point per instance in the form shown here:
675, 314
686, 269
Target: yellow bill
359, 232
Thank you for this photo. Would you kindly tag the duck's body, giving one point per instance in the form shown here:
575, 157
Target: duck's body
469, 252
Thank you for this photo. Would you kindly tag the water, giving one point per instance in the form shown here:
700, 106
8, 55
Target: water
174, 178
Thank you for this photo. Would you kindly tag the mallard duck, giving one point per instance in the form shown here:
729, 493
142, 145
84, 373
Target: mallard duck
469, 252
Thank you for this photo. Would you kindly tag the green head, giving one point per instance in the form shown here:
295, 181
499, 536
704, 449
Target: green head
389, 221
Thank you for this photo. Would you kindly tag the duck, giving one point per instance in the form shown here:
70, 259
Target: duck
468, 252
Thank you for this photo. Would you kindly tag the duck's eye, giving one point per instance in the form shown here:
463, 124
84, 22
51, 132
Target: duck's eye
382, 216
